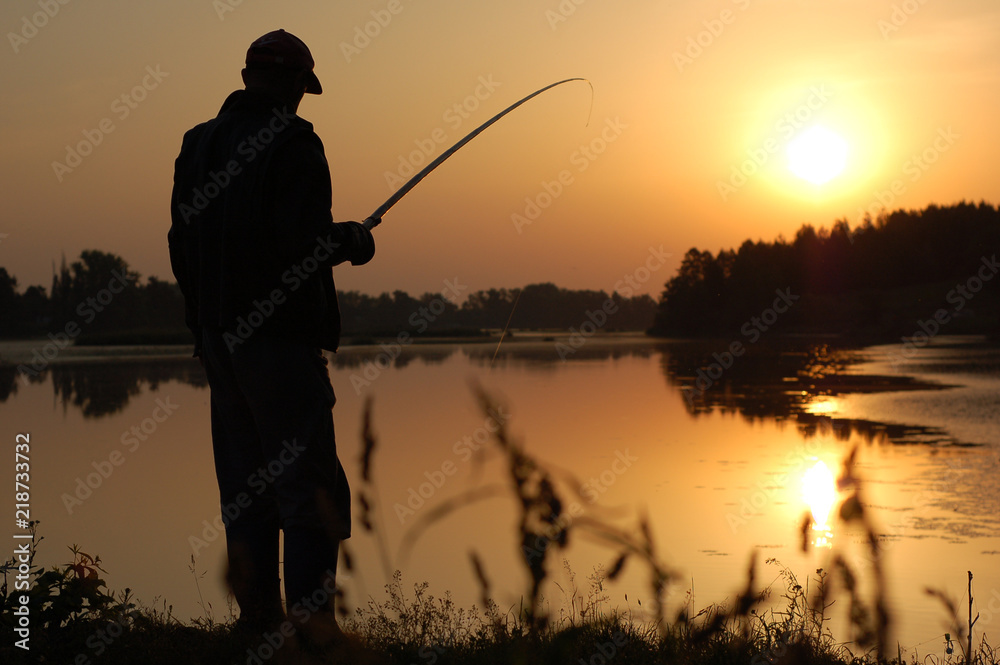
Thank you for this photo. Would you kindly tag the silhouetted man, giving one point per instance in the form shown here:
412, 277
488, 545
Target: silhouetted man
252, 242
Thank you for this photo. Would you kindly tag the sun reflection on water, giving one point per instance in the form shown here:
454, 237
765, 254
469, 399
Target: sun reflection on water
819, 491
823, 405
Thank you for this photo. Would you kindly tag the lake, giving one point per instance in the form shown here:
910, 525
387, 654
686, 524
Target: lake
712, 448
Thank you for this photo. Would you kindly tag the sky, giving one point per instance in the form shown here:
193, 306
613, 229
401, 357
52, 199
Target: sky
681, 144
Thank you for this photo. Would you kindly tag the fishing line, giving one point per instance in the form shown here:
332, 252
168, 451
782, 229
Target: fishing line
375, 218
504, 331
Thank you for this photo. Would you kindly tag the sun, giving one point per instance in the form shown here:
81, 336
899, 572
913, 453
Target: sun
817, 154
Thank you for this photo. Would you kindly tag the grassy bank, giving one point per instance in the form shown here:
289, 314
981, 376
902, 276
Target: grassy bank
74, 618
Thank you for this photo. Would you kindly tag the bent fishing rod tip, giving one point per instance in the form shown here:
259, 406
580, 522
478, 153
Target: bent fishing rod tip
376, 217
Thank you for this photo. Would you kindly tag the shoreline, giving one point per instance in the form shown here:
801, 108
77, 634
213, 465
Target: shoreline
782, 379
22, 351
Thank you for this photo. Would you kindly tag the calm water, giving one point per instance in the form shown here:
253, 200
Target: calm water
121, 465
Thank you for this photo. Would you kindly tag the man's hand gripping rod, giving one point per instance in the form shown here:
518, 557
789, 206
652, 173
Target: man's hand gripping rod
375, 218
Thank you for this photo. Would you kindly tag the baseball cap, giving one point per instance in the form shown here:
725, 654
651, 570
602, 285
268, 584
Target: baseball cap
283, 49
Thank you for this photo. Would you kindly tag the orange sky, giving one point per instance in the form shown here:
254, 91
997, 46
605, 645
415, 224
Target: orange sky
685, 93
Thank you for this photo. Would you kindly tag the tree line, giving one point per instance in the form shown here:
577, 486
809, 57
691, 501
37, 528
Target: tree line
885, 277
98, 293
99, 298
536, 306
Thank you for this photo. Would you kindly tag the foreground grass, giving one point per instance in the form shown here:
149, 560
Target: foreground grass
75, 619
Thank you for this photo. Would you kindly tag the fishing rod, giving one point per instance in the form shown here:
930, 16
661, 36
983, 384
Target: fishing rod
375, 218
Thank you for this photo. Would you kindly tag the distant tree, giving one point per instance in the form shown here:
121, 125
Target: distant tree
854, 279
489, 308
34, 311
691, 301
21, 314
9, 305
159, 306
438, 312
96, 269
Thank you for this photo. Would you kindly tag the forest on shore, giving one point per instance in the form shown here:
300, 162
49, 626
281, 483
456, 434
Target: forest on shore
99, 299
905, 273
